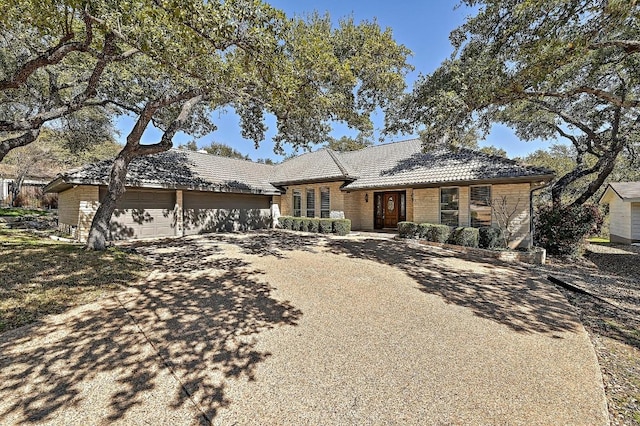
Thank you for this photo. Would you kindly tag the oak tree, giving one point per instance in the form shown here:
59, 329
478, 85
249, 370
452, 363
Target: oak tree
170, 63
549, 69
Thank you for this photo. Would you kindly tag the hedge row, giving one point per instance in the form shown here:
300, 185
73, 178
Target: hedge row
485, 237
323, 226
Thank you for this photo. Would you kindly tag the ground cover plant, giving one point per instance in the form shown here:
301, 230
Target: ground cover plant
40, 276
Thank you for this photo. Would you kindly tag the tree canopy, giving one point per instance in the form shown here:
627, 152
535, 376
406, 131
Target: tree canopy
346, 143
550, 69
216, 148
171, 62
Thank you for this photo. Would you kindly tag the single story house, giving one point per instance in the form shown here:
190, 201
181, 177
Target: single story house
623, 199
184, 192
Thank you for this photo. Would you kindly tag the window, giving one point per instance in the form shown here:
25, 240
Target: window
480, 206
325, 202
311, 202
449, 206
297, 203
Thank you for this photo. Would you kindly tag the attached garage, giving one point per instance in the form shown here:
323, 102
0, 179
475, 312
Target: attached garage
142, 213
215, 212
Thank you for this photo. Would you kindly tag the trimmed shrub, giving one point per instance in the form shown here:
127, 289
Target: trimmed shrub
463, 236
562, 230
313, 225
423, 230
490, 238
296, 224
304, 226
341, 226
285, 222
325, 226
438, 233
407, 229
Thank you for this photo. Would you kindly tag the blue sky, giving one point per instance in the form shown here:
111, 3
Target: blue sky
422, 26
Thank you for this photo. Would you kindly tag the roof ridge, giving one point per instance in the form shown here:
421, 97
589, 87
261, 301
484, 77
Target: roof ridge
333, 156
188, 151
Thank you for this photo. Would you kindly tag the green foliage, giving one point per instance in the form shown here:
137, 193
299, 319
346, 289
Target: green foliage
434, 232
346, 143
464, 236
490, 238
215, 148
286, 222
313, 225
341, 226
562, 230
407, 229
325, 226
548, 69
174, 63
493, 150
304, 226
296, 224
19, 212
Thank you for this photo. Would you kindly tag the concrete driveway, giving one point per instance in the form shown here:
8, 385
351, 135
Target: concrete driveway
277, 328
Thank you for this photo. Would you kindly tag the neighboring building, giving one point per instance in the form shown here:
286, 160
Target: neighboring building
624, 211
31, 188
185, 192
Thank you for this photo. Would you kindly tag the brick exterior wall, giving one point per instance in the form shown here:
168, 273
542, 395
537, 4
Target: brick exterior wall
517, 196
336, 198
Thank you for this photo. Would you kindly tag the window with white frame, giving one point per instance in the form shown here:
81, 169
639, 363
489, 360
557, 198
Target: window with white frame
297, 203
480, 206
449, 206
325, 202
311, 202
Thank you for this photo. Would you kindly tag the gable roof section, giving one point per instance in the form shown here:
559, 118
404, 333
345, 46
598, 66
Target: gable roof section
627, 191
403, 163
321, 165
382, 166
179, 170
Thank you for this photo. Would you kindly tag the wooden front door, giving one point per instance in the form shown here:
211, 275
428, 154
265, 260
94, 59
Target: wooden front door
391, 207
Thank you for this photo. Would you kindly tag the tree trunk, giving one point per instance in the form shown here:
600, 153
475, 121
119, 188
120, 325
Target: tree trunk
99, 233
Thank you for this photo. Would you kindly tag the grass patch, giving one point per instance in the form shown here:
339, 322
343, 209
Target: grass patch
40, 276
17, 212
598, 240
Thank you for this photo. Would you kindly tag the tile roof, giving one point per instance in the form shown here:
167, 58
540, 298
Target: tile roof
388, 165
626, 190
312, 166
404, 163
182, 169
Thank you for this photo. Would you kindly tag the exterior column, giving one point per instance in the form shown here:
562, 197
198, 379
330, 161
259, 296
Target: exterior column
178, 212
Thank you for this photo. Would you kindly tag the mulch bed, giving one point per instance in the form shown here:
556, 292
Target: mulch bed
610, 311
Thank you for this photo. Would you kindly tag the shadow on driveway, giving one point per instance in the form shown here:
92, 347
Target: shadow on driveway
193, 320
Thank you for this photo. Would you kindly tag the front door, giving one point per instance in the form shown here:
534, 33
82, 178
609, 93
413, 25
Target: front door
391, 207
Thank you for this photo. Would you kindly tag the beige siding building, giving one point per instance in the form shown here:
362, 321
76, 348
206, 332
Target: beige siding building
181, 192
623, 199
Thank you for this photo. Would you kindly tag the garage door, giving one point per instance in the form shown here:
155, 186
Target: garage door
143, 214
223, 212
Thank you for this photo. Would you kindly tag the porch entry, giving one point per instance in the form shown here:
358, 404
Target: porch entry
389, 208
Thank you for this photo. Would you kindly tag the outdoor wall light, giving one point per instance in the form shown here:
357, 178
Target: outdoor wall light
366, 198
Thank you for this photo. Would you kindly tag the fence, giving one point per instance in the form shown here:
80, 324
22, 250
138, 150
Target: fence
31, 195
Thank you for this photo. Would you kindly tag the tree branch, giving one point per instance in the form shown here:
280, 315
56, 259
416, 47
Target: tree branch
602, 94
51, 56
14, 142
629, 46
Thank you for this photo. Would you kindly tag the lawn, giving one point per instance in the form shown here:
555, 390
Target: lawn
40, 276
16, 212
